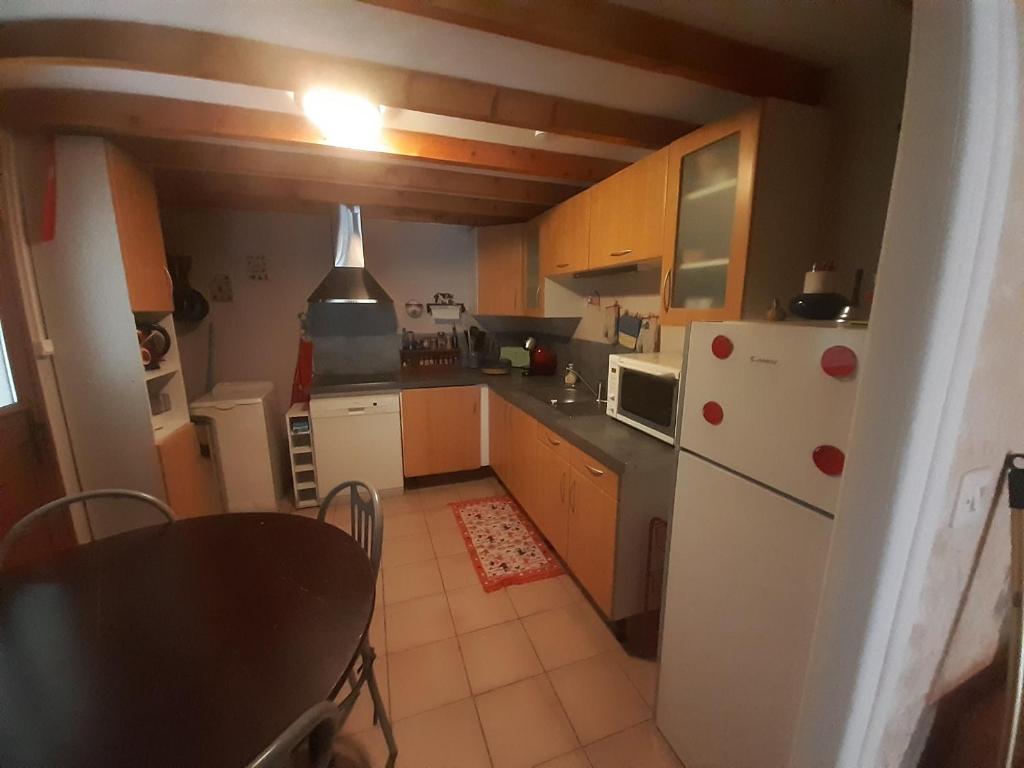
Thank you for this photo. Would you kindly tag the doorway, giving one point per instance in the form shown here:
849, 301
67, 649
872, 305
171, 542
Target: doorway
29, 473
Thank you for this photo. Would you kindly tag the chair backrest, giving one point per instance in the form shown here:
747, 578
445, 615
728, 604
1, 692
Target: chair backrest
367, 517
315, 727
18, 529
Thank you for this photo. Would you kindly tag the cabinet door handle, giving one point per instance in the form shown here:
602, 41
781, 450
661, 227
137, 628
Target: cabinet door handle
594, 471
664, 289
170, 280
623, 252
561, 266
561, 487
553, 441
538, 292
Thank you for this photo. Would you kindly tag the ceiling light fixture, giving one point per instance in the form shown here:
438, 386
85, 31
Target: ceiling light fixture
346, 120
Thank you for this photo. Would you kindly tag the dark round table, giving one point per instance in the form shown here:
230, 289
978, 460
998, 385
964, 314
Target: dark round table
189, 644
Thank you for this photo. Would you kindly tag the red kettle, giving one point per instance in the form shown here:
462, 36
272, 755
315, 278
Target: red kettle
543, 360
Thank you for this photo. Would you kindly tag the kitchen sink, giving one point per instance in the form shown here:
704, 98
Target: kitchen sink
579, 407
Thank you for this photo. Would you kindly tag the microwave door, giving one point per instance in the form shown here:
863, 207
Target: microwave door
649, 399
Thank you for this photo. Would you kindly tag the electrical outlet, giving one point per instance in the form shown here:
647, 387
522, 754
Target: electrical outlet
974, 497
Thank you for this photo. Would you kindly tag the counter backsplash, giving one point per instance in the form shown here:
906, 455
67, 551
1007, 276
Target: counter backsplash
590, 357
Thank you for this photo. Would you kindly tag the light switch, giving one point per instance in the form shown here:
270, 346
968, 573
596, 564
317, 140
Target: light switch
974, 497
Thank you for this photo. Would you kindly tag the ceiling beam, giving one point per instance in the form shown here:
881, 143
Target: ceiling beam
176, 51
177, 184
123, 114
197, 199
632, 37
316, 165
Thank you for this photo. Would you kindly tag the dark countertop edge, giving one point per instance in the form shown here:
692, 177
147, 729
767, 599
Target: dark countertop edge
640, 451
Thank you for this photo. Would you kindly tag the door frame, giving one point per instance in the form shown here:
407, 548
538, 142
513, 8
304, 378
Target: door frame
32, 154
940, 246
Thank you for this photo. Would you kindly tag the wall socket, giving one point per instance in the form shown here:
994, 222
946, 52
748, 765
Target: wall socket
974, 497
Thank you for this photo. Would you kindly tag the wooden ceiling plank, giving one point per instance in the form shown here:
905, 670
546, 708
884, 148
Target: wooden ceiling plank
189, 53
175, 181
633, 37
233, 158
123, 114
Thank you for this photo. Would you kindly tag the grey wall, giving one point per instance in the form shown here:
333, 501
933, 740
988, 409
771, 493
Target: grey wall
255, 336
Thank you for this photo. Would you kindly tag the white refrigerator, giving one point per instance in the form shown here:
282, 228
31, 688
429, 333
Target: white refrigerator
766, 416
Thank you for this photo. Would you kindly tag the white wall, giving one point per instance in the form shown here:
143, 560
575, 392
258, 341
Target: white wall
865, 106
635, 292
938, 399
255, 337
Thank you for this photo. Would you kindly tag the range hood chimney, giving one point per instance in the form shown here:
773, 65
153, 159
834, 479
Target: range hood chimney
349, 282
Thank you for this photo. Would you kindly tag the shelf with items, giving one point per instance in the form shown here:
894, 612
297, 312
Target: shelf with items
712, 189
706, 264
159, 373
300, 453
165, 385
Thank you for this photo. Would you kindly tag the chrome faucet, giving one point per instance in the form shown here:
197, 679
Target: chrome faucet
571, 368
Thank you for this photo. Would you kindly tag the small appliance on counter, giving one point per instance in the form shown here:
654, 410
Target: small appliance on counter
543, 360
643, 392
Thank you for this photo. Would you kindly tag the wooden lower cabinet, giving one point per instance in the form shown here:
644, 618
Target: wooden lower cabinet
522, 458
189, 478
550, 509
440, 430
593, 521
571, 497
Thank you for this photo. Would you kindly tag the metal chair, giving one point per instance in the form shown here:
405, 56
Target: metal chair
315, 728
19, 528
368, 530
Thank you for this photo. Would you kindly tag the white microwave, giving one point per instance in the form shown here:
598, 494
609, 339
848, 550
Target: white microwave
643, 392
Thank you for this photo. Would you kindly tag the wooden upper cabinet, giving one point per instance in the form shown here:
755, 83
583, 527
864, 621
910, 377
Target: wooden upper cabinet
440, 430
500, 269
533, 274
138, 227
627, 214
565, 236
707, 235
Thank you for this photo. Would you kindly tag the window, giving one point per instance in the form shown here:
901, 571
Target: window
8, 395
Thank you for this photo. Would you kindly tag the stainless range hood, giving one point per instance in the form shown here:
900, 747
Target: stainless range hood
349, 282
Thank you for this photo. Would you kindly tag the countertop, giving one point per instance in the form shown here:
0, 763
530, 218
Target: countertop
611, 442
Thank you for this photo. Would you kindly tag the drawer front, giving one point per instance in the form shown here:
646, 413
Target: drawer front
562, 447
602, 477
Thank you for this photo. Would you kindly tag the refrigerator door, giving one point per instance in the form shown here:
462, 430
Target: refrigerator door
773, 401
742, 590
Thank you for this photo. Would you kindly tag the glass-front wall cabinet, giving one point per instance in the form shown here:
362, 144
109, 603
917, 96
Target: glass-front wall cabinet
709, 202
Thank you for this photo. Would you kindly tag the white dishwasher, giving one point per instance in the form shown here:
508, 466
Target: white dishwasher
357, 437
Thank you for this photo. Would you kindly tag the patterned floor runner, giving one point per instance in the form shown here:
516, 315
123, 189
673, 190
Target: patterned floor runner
503, 544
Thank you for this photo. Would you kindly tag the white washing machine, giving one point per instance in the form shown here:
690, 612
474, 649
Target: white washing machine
246, 443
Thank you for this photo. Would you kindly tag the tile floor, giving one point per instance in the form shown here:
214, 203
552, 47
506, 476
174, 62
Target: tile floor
524, 677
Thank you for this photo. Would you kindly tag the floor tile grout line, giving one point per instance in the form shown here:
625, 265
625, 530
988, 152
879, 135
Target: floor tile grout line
635, 686
469, 685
